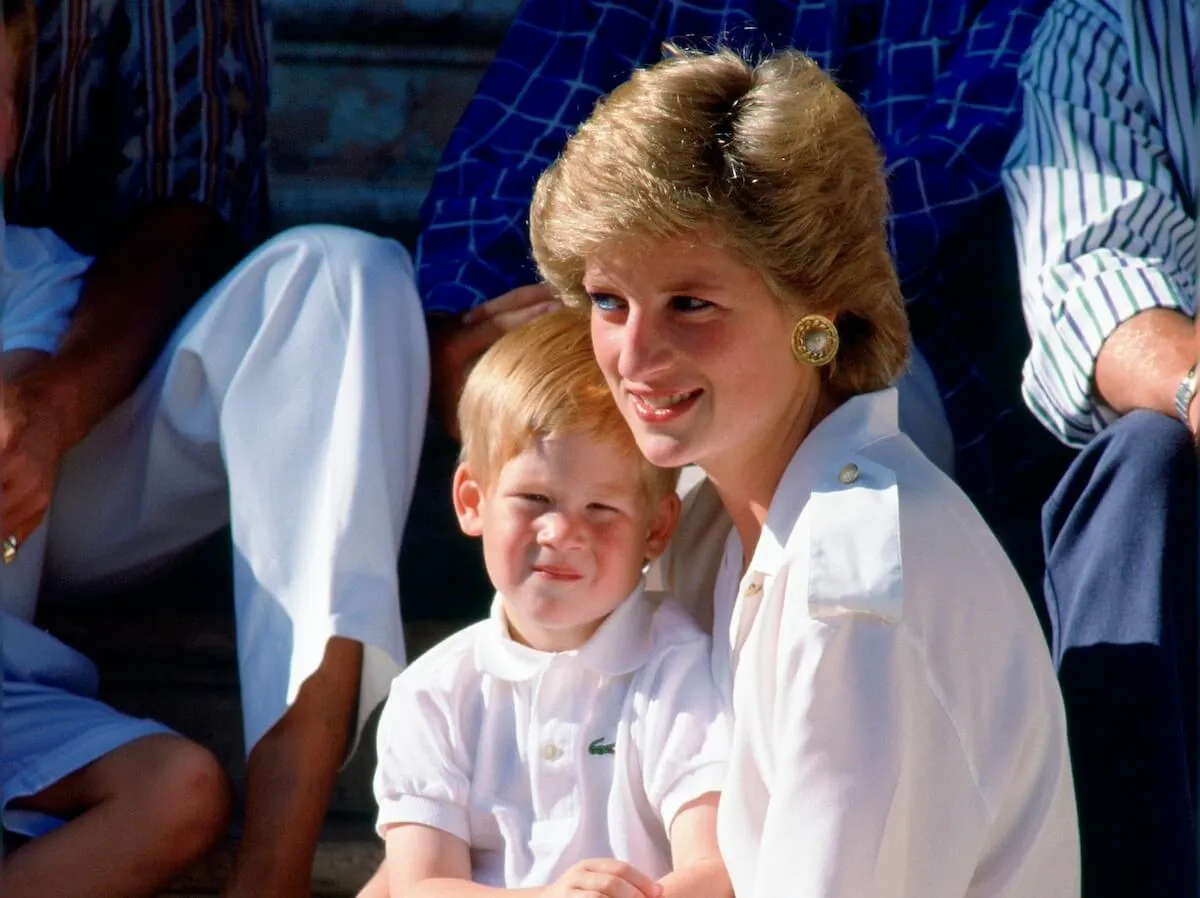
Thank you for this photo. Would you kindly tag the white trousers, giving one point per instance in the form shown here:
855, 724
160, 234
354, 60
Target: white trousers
290, 404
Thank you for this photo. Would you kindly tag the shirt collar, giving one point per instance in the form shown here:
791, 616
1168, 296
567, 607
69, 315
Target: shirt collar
622, 644
850, 428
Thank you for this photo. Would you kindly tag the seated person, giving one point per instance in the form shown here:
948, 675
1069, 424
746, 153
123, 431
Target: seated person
938, 84
1104, 182
286, 402
575, 740
142, 802
897, 730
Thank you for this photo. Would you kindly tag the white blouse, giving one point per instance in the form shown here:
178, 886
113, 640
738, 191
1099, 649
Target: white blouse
898, 729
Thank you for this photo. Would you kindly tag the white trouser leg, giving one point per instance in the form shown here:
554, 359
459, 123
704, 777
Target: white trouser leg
291, 402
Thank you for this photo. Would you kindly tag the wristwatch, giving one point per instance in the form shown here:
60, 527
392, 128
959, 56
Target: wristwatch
1185, 394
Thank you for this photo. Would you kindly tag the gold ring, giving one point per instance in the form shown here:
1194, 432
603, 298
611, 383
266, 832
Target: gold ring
10, 546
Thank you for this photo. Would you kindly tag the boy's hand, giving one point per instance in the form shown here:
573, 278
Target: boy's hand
603, 878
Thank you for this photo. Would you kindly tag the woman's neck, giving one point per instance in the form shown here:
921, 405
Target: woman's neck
747, 483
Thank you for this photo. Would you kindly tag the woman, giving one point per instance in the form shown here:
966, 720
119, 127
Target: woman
898, 727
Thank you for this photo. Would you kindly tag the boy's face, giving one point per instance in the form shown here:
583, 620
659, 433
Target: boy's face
566, 530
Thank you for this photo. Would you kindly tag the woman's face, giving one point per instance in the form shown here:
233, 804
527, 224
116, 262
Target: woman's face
697, 352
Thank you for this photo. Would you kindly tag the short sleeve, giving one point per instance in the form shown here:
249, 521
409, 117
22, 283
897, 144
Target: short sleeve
682, 729
40, 281
423, 775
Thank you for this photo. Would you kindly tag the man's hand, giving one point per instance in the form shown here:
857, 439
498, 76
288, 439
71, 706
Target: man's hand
32, 446
603, 878
457, 342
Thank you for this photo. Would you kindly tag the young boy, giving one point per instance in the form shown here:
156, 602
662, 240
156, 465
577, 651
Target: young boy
574, 742
141, 803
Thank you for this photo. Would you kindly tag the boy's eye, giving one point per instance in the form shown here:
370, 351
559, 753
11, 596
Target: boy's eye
534, 498
689, 304
605, 302
602, 508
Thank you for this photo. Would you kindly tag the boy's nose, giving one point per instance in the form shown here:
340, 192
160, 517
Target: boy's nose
559, 531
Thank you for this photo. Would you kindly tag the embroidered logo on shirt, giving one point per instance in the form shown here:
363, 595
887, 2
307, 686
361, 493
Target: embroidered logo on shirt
600, 747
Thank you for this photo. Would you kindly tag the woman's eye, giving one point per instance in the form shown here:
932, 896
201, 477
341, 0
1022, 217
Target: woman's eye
605, 302
689, 304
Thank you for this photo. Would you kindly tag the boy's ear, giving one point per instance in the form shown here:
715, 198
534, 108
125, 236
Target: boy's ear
662, 525
468, 500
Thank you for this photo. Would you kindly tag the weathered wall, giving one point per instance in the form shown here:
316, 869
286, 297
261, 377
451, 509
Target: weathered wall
366, 93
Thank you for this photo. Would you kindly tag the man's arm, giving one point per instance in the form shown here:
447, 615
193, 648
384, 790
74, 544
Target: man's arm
1100, 209
131, 299
181, 205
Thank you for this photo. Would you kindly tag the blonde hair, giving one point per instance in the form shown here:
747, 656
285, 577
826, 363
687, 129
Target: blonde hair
773, 156
538, 381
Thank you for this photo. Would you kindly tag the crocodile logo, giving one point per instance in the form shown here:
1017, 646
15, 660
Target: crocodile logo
600, 747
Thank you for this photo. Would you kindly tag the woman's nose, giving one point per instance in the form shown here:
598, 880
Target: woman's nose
644, 346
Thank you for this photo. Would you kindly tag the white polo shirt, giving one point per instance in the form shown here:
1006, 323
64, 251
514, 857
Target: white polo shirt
898, 730
540, 760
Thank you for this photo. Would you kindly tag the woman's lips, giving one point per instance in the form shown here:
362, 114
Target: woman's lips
661, 406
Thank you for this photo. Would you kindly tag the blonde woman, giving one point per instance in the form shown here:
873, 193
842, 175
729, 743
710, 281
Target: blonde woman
898, 730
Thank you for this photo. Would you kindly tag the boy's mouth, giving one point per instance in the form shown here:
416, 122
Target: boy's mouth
557, 572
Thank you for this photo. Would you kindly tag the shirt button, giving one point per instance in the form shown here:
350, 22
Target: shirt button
848, 474
551, 752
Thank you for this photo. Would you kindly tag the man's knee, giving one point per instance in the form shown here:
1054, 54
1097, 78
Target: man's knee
1141, 468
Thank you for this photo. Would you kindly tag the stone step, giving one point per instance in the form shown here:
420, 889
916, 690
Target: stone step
394, 22
178, 666
358, 122
347, 856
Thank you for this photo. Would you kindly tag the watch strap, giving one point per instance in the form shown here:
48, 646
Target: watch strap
1185, 393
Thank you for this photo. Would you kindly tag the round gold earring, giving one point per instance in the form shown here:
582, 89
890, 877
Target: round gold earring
814, 340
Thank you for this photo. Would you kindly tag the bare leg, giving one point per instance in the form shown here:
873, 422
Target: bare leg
377, 887
146, 811
290, 777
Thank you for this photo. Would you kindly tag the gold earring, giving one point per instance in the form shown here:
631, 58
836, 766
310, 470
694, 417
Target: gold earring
814, 340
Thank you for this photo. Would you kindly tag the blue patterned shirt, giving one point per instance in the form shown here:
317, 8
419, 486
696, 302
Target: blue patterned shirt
134, 101
938, 83
1105, 189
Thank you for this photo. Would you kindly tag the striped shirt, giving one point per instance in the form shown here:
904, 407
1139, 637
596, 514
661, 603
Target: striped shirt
1104, 182
134, 101
938, 83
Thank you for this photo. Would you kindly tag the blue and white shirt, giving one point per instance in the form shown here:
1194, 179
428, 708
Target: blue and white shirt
132, 102
938, 82
1104, 181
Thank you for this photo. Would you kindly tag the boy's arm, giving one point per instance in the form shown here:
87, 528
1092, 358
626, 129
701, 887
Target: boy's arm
698, 870
424, 862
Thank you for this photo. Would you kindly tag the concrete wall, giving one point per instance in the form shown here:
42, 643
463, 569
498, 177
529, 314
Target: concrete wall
365, 95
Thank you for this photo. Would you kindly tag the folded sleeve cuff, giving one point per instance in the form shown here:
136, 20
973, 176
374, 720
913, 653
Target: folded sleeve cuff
1060, 373
442, 815
702, 780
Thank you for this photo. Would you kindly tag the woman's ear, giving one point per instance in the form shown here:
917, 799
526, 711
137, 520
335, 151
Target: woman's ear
662, 525
468, 501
